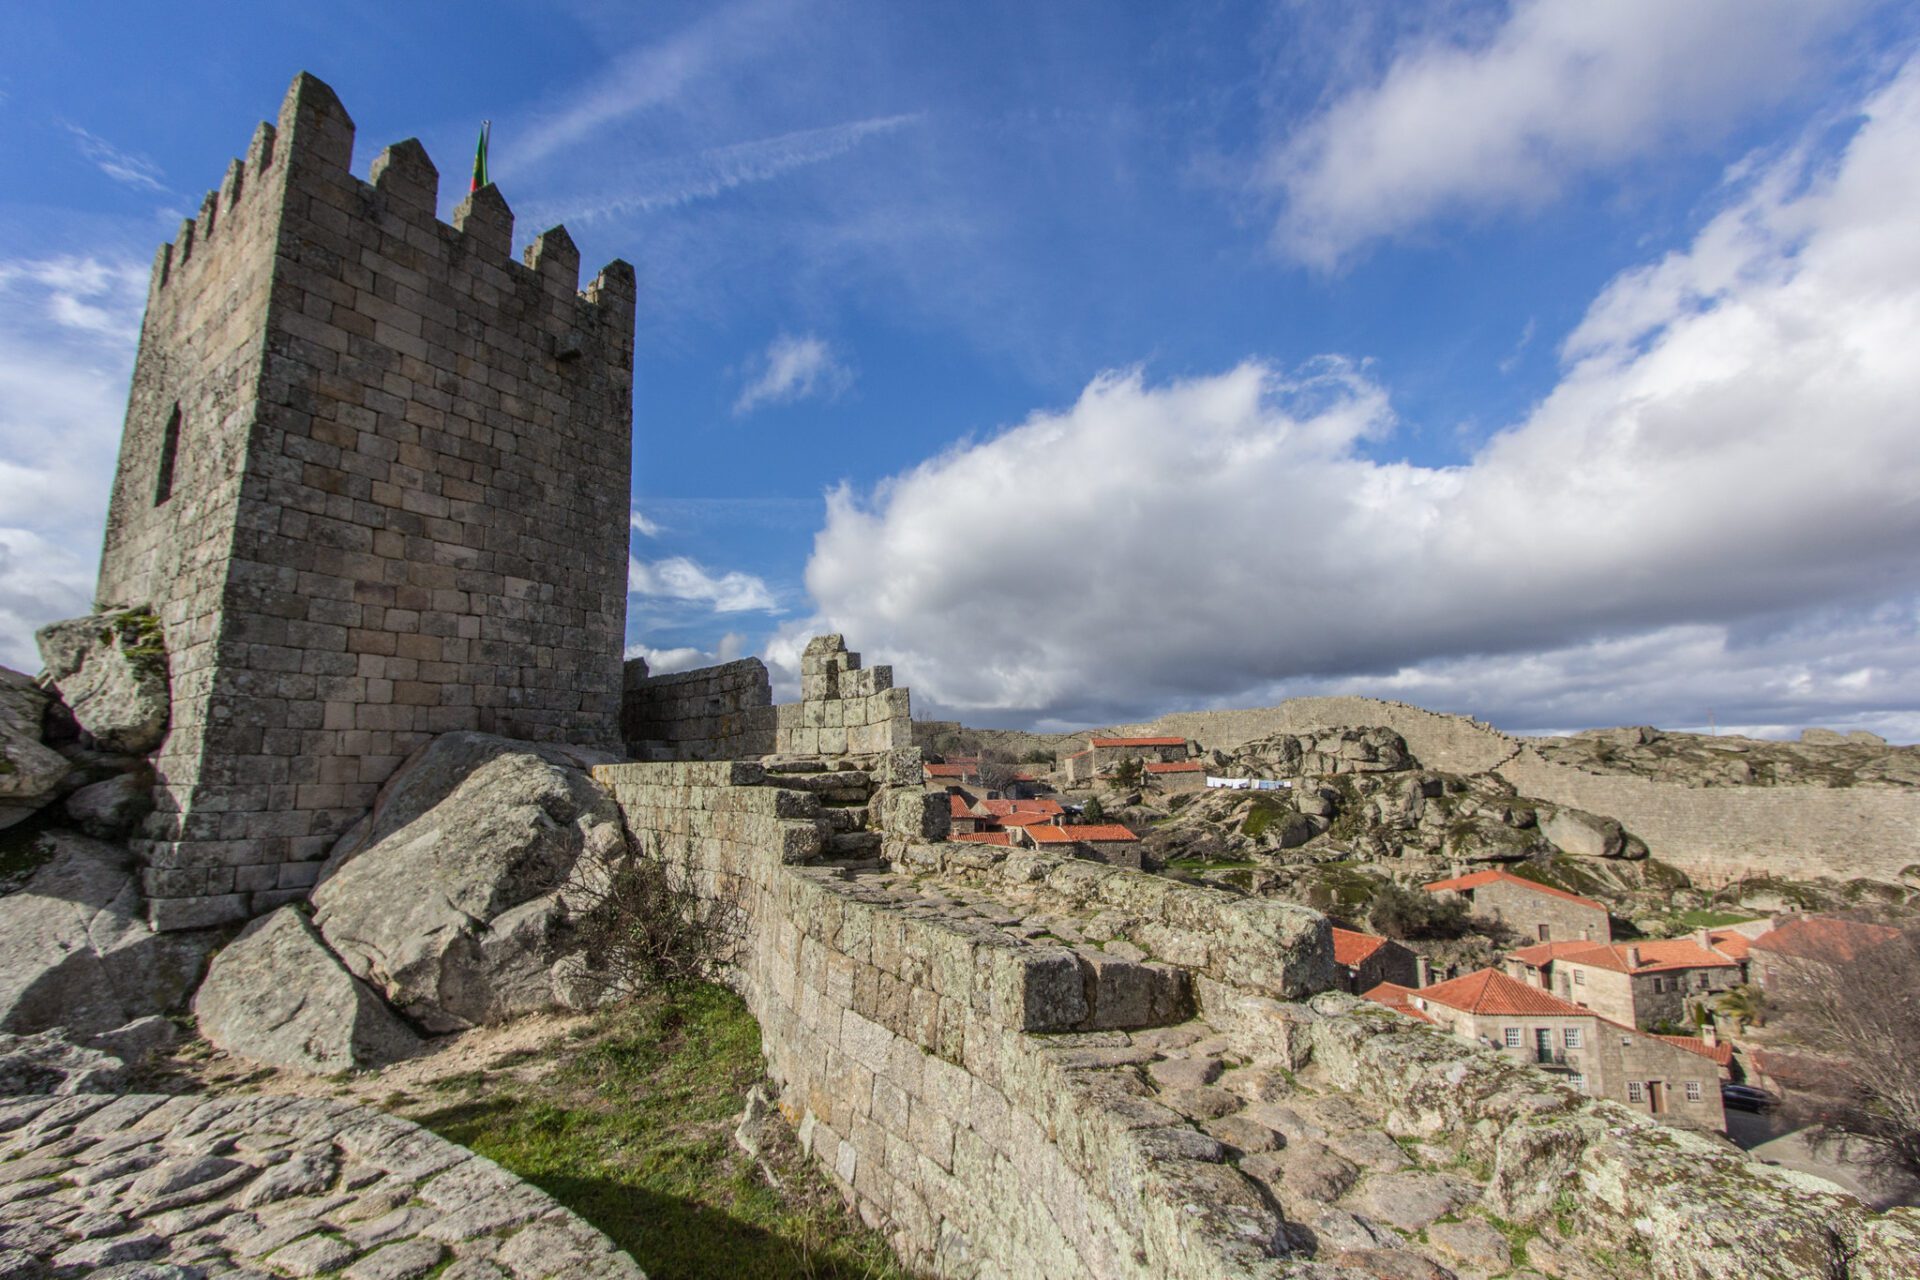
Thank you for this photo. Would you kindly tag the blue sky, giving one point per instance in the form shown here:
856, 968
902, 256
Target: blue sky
1546, 361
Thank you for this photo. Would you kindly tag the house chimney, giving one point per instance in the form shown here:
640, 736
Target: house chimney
1422, 972
1705, 938
1633, 957
1710, 1034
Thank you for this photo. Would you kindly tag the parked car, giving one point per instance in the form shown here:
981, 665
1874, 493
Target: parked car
1744, 1097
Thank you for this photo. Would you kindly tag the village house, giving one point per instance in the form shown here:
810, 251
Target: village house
1533, 910
962, 820
1710, 1046
1103, 842
1101, 754
1811, 940
1597, 1056
1174, 777
1643, 983
1368, 960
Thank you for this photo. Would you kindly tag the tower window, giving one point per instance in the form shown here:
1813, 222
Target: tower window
169, 450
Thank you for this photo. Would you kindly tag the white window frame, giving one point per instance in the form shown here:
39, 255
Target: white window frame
1578, 1081
1579, 978
1570, 1038
1512, 1037
1693, 1091
1636, 1092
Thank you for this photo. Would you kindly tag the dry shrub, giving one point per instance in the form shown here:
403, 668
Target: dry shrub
646, 921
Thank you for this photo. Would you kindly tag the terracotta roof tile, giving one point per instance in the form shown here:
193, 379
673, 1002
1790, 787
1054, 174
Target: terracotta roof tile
1394, 996
1656, 956
957, 806
1478, 878
1491, 991
1729, 943
1721, 1053
1542, 952
984, 837
1823, 938
1111, 831
1001, 808
1351, 948
950, 770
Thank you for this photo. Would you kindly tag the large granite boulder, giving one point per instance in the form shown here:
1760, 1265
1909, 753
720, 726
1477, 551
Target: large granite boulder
451, 898
30, 772
112, 808
1583, 834
75, 949
111, 671
276, 995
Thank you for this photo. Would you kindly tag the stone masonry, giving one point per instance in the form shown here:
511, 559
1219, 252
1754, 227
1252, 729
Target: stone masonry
374, 484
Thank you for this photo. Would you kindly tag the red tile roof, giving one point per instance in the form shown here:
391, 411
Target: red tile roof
951, 770
1489, 991
1721, 1053
1029, 820
1656, 956
1394, 996
1478, 878
1177, 766
1729, 943
984, 837
1351, 948
1543, 952
1110, 831
1001, 808
1137, 742
1822, 938
958, 807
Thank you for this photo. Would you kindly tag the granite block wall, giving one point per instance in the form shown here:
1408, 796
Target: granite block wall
712, 713
374, 483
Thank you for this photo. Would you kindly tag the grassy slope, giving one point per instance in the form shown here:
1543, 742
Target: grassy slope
634, 1131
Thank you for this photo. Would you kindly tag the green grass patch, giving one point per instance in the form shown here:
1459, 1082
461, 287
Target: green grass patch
1263, 813
1709, 918
634, 1132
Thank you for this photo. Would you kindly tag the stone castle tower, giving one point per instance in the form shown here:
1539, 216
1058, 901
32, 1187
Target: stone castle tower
374, 483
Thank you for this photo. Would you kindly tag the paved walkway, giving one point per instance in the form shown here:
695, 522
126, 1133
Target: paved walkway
152, 1187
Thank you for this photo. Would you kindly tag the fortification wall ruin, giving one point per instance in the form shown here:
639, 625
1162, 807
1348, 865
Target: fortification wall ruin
374, 483
1019, 1065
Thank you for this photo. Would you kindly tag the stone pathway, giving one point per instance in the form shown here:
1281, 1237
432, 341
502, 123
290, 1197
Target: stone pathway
155, 1187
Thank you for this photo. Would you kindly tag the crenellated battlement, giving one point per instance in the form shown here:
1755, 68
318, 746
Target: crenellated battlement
374, 483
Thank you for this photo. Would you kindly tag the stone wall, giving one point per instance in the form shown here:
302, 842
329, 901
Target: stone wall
374, 483
1013, 1065
1711, 833
712, 713
844, 709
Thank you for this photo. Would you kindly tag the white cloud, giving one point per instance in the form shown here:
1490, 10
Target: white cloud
794, 368
1732, 440
641, 525
66, 345
1561, 88
122, 167
679, 578
661, 662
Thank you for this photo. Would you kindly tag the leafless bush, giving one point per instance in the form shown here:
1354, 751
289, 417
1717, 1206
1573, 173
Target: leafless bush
1855, 1010
645, 921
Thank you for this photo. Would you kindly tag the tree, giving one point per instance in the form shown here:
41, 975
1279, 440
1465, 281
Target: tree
1409, 914
1855, 1009
998, 772
1092, 810
1745, 1004
1128, 775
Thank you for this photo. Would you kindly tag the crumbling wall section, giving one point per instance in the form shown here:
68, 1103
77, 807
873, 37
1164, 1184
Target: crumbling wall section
710, 713
844, 709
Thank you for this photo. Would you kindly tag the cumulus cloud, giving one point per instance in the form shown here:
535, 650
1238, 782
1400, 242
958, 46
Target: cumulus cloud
640, 524
1731, 441
794, 368
662, 662
679, 578
67, 327
1558, 89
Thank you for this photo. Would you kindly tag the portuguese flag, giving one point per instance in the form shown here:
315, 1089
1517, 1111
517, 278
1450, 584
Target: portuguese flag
480, 178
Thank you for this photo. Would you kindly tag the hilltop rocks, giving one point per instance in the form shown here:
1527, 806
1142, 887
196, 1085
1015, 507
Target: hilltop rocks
76, 952
1586, 835
276, 995
450, 897
30, 773
1320, 752
111, 671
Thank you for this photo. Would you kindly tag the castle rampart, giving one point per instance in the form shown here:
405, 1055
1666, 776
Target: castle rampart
374, 483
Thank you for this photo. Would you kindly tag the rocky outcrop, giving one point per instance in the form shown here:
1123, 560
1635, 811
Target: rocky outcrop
1319, 753
1584, 834
451, 897
76, 952
111, 671
112, 808
49, 1062
30, 773
276, 995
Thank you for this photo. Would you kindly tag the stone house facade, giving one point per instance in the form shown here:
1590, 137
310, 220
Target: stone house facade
1811, 940
1599, 1057
1102, 753
1536, 911
1107, 842
373, 483
1366, 960
1643, 984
